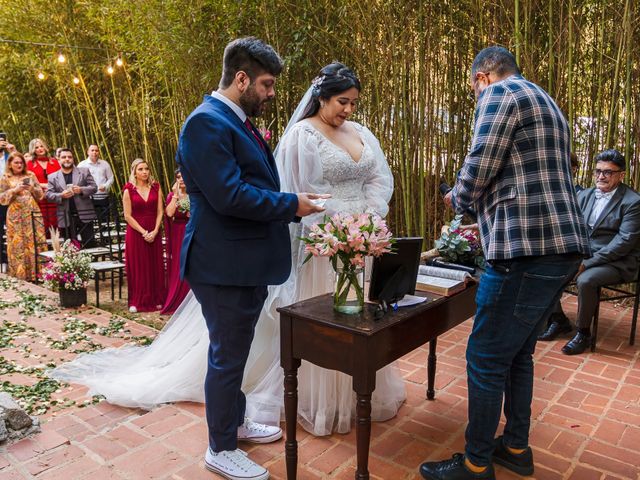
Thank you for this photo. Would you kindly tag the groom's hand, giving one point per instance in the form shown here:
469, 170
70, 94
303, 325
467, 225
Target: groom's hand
308, 203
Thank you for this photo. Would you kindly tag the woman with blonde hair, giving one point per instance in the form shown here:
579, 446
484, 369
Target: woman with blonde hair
42, 166
19, 189
143, 212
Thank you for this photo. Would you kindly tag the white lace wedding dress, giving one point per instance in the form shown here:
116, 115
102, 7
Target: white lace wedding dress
173, 367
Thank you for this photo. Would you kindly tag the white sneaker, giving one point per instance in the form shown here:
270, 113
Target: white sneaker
234, 465
133, 310
253, 432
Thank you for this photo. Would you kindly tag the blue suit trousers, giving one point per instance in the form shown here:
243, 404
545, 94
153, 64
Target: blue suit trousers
231, 314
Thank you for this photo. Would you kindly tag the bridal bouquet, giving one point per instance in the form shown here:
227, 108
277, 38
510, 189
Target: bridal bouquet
347, 240
460, 245
184, 204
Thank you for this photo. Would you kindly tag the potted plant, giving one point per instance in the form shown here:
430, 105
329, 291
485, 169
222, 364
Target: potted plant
347, 240
68, 272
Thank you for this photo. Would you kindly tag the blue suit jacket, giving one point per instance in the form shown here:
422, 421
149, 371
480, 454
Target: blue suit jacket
238, 230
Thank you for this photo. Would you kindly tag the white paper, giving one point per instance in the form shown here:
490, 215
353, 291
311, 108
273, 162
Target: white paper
409, 300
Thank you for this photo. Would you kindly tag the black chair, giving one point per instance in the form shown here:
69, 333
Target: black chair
618, 293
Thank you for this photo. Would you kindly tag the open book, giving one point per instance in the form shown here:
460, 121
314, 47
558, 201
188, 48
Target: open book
441, 281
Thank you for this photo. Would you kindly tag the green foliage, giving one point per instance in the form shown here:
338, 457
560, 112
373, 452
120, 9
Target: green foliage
412, 57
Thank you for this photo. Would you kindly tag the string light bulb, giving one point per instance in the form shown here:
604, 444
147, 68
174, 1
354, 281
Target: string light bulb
119, 62
110, 70
61, 58
76, 80
40, 76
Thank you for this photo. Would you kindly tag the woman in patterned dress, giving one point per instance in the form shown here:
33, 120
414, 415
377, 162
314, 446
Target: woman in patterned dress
20, 190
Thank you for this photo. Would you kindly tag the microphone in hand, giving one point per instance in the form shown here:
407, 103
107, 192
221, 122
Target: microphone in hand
445, 188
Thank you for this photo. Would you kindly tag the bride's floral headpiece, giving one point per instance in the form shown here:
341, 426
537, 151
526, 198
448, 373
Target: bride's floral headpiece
316, 84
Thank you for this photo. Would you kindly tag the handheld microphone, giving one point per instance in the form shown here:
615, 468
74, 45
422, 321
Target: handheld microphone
445, 188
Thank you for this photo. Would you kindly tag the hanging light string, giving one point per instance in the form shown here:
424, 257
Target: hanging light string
54, 45
62, 58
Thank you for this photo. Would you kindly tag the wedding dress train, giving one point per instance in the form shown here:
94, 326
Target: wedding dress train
173, 367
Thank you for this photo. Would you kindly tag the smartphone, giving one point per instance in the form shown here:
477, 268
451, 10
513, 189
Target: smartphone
26, 181
3, 136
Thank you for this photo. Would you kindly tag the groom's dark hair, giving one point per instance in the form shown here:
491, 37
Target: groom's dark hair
250, 55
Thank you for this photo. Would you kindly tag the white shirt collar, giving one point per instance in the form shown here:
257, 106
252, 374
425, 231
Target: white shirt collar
608, 195
232, 105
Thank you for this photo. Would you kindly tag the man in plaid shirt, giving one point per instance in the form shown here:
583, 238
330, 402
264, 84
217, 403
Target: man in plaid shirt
517, 177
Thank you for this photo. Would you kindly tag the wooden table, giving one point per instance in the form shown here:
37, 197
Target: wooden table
359, 345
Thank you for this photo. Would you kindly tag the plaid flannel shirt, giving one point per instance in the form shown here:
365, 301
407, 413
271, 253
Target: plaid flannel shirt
517, 175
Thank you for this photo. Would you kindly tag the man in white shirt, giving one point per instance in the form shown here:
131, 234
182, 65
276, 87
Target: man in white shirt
103, 176
611, 211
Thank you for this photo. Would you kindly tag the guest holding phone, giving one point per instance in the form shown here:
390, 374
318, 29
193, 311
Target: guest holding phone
175, 223
4, 156
20, 191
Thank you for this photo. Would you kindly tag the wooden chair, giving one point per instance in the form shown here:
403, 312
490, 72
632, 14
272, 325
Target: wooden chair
619, 293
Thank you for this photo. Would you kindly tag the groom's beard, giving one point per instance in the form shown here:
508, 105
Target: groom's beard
251, 103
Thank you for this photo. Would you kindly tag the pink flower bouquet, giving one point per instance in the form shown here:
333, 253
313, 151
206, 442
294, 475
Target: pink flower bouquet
347, 240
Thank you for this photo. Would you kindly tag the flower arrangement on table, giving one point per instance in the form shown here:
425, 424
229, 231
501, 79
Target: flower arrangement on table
458, 244
347, 240
69, 269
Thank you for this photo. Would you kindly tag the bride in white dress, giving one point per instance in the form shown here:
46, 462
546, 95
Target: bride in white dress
321, 152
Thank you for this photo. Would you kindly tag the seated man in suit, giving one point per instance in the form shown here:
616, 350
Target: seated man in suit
71, 188
612, 213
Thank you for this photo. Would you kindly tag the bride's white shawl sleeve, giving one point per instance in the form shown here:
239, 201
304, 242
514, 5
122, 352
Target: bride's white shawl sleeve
379, 186
300, 169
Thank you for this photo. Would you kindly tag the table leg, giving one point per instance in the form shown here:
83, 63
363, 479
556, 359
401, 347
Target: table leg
431, 369
363, 435
291, 414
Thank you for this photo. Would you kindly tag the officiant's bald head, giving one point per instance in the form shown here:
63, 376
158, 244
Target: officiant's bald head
250, 55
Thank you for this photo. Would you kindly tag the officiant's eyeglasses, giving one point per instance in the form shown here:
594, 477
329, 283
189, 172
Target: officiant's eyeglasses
605, 173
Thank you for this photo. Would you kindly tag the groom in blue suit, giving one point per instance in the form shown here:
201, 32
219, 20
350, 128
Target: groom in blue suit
237, 239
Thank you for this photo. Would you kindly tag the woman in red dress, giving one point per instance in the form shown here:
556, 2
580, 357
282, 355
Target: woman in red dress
177, 211
143, 212
42, 166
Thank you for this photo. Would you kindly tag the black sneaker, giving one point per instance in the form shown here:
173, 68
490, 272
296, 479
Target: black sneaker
453, 469
521, 463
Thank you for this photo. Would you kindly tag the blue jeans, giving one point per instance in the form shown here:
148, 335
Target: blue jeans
514, 300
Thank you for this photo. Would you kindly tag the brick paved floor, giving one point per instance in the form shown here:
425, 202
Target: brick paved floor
586, 416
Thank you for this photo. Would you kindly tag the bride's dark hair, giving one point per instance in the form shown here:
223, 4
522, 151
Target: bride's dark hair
333, 79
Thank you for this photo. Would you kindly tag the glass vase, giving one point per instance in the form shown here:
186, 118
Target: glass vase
348, 296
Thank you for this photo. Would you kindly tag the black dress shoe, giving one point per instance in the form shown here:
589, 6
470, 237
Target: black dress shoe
577, 344
453, 469
554, 329
521, 463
